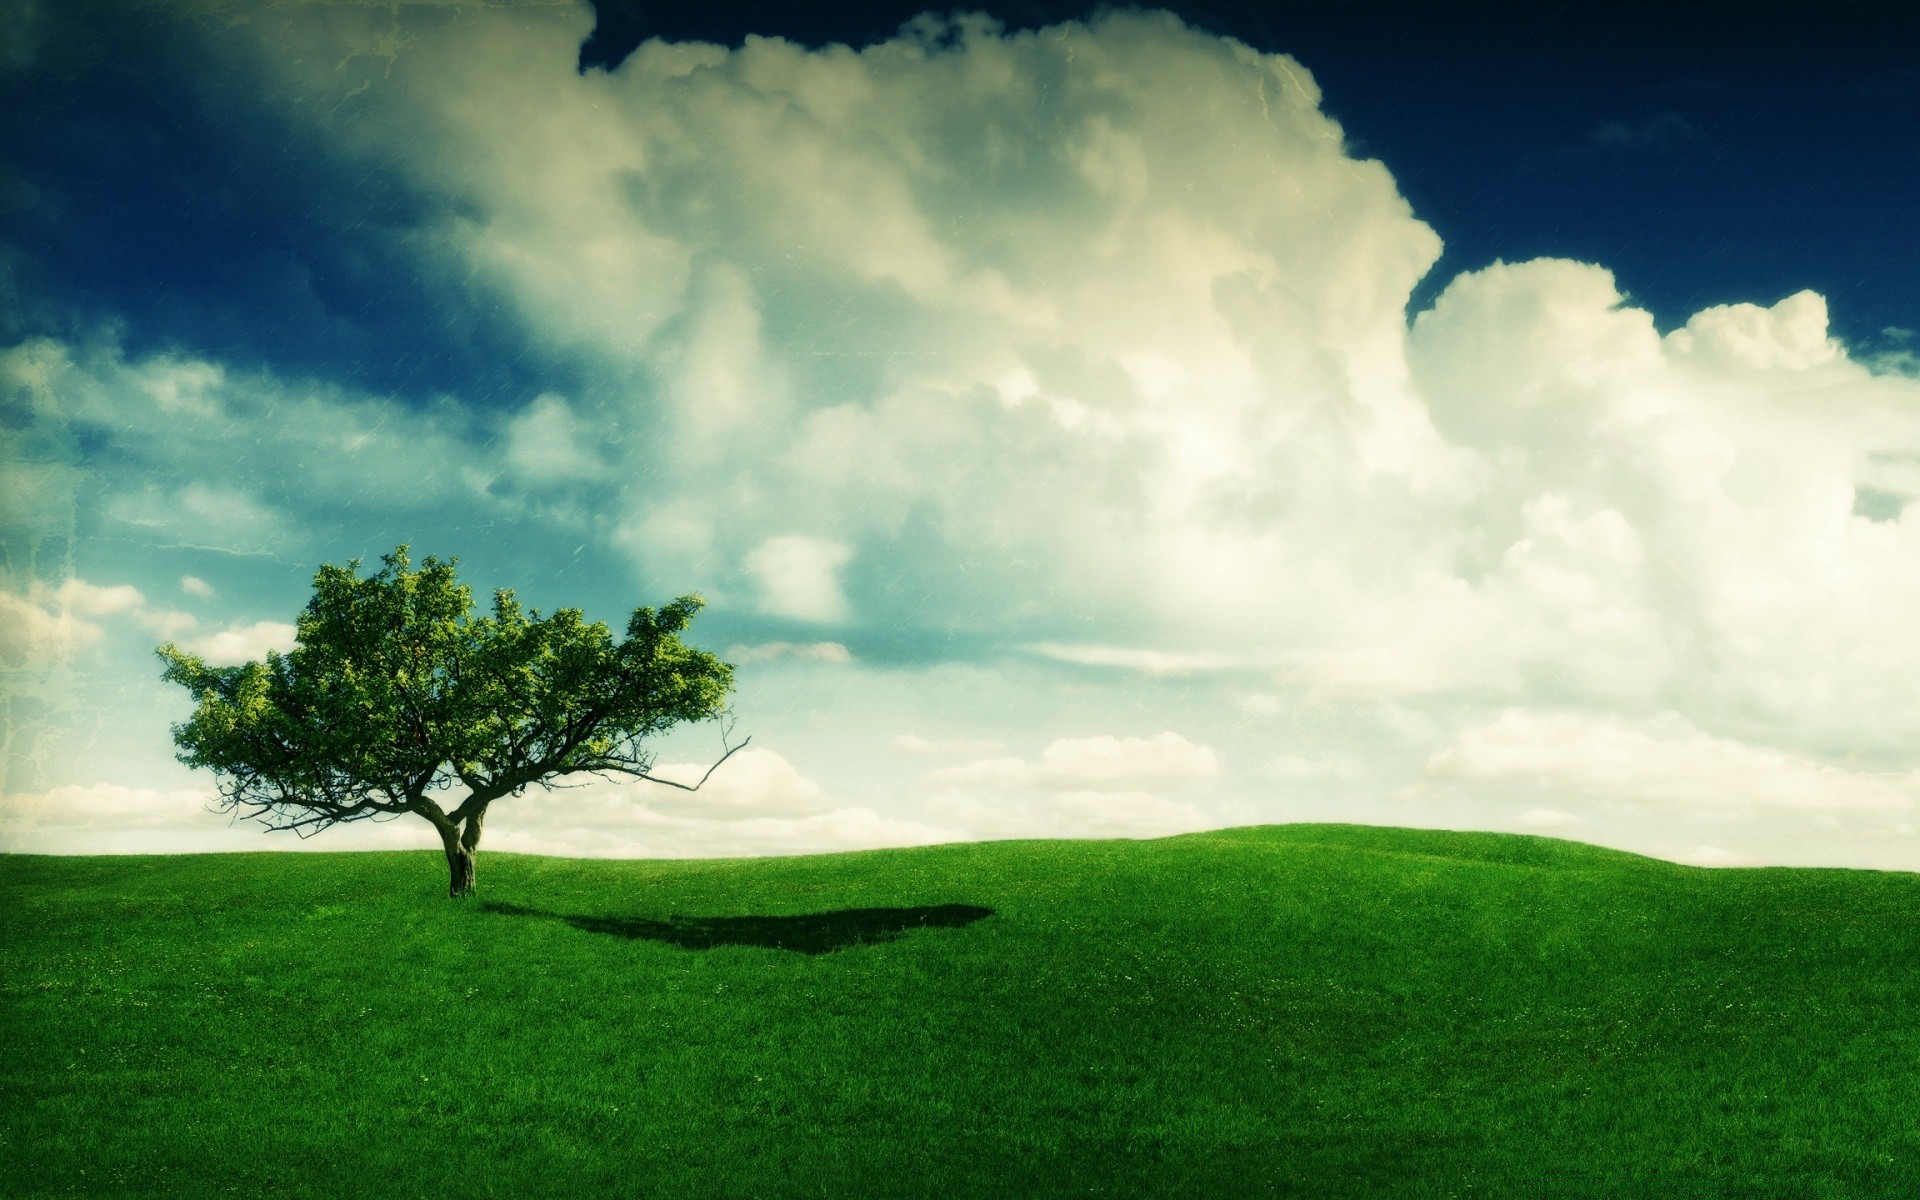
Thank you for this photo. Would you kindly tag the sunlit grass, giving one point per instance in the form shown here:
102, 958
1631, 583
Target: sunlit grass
1303, 1010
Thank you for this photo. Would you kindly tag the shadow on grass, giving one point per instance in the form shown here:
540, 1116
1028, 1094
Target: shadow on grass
809, 933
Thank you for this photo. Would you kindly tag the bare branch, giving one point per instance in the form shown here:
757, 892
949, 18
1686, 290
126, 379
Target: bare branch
641, 773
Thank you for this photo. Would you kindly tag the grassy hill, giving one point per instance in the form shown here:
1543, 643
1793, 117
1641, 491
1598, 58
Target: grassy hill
1297, 1010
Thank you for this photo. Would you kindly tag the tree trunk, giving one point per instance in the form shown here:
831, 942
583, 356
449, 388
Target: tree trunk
460, 871
461, 844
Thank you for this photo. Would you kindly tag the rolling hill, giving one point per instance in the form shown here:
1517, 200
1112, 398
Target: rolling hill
1306, 1010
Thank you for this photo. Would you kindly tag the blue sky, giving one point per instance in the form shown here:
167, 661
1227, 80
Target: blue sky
1083, 424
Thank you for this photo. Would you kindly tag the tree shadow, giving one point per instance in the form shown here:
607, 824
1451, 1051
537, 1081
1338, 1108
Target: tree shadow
809, 933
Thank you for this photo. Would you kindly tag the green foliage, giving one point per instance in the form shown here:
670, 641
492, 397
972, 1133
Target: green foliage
397, 692
1302, 1011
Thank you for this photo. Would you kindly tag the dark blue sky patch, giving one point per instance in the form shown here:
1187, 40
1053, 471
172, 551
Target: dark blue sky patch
152, 199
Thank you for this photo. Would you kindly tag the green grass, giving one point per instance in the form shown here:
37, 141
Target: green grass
1300, 1010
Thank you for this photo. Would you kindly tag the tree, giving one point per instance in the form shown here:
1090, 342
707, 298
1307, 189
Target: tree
396, 696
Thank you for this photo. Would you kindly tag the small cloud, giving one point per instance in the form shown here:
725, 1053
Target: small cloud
165, 622
244, 643
90, 599
193, 585
1150, 662
31, 634
1093, 764
647, 834
755, 782
49, 623
908, 743
799, 577
1073, 814
547, 443
46, 822
109, 818
1792, 335
757, 803
832, 652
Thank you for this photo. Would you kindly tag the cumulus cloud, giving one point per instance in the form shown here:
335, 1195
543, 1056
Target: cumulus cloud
193, 585
548, 444
754, 782
974, 370
1093, 764
650, 835
111, 818
799, 577
1160, 375
1080, 787
1665, 762
1092, 814
32, 634
756, 803
909, 743
244, 643
1149, 661
1790, 336
50, 622
44, 822
766, 807
93, 600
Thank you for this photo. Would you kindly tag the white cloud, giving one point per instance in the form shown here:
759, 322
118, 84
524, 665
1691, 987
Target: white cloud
1096, 787
1790, 336
193, 585
112, 818
547, 444
244, 643
1666, 762
754, 782
1093, 814
1151, 662
908, 743
93, 600
798, 577
646, 834
755, 803
828, 652
104, 805
1093, 764
32, 634
48, 624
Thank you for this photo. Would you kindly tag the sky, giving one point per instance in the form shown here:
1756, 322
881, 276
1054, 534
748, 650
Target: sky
1082, 422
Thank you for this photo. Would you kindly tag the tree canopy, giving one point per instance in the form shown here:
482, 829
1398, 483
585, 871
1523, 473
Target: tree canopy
398, 699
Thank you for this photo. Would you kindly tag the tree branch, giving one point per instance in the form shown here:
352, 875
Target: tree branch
641, 772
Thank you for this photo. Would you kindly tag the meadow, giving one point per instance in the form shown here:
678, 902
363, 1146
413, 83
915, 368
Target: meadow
1307, 1010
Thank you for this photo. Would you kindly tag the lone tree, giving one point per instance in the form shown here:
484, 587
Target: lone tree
396, 695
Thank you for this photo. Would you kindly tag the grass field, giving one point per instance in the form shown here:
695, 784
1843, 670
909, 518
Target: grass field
1297, 1010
